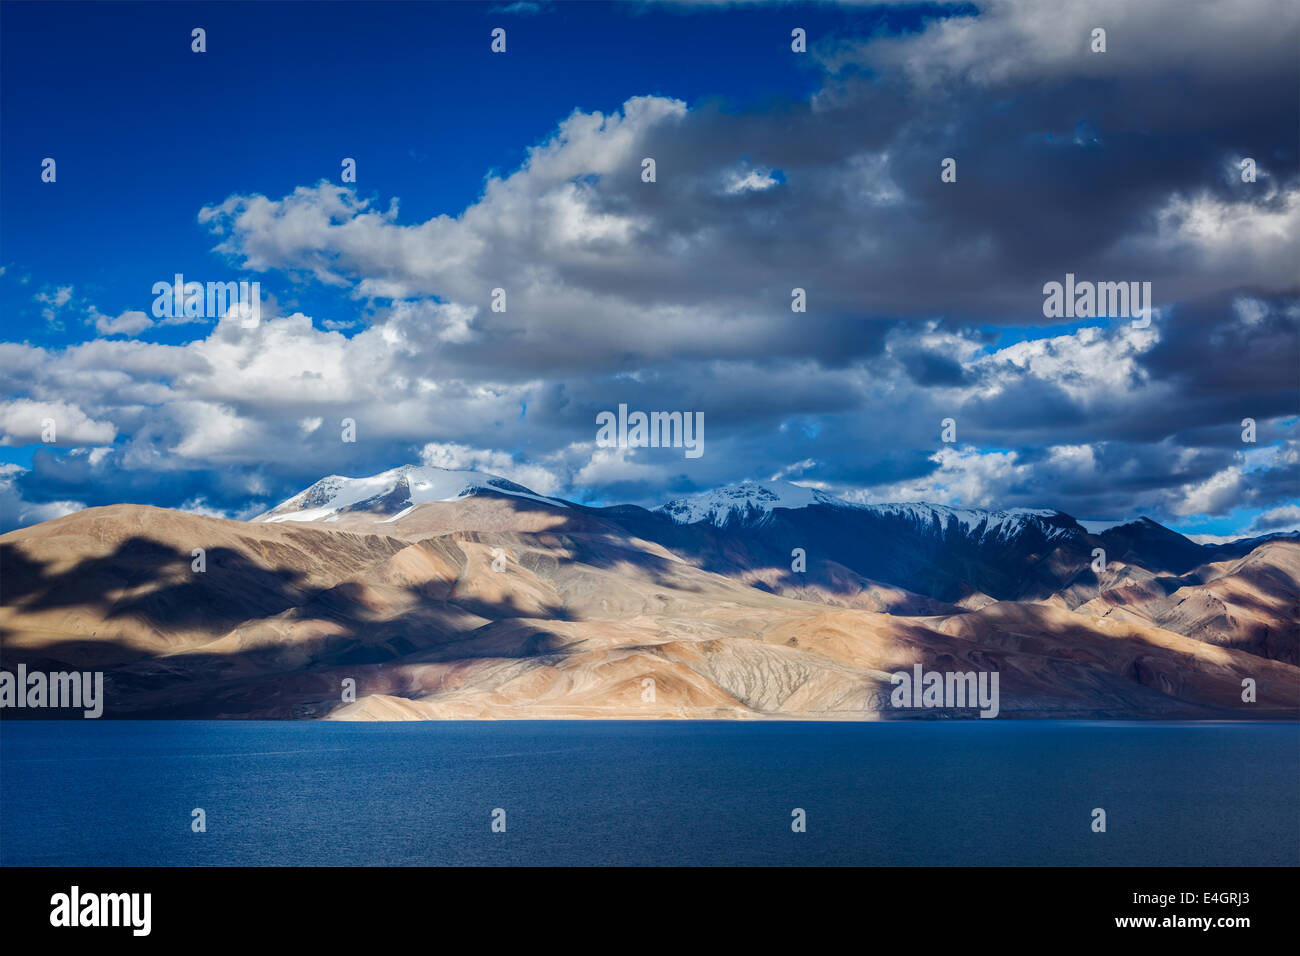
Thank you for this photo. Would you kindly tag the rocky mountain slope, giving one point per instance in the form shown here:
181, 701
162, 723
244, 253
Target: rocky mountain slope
445, 594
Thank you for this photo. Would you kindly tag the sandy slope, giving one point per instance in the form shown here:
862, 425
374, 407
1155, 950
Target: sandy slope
583, 620
1250, 603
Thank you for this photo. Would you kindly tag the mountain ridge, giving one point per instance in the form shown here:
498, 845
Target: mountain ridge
402, 487
445, 594
739, 503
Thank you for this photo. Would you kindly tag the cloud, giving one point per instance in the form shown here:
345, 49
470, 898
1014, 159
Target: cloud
53, 302
1287, 517
521, 8
1009, 42
17, 512
745, 179
129, 323
258, 413
536, 476
24, 421
1243, 483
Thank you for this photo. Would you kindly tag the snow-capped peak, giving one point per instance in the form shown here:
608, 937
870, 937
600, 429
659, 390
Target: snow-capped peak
392, 493
748, 502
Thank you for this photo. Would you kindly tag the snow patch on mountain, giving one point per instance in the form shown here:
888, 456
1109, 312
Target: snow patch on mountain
748, 502
752, 503
394, 492
983, 525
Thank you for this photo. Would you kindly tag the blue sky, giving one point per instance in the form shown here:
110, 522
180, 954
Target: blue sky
776, 170
146, 132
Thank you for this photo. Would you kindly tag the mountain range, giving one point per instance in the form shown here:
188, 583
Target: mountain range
457, 594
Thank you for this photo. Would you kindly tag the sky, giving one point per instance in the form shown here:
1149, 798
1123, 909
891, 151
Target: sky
775, 170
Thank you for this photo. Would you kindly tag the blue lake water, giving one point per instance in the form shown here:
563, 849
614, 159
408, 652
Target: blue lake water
666, 792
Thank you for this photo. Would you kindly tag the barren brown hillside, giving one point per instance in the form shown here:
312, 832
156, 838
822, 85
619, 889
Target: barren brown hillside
491, 608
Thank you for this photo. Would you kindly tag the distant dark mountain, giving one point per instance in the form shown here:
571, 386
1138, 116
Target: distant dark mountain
1152, 546
1243, 546
948, 554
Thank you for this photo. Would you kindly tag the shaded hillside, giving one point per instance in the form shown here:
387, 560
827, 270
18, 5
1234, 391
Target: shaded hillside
541, 610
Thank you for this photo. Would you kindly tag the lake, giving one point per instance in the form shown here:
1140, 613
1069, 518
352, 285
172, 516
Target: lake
951, 793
